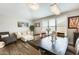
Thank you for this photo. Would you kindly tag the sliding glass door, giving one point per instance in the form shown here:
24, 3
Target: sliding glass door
49, 25
54, 24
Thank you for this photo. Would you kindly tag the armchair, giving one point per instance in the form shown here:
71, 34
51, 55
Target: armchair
7, 38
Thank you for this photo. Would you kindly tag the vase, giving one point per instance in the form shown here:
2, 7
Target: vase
53, 42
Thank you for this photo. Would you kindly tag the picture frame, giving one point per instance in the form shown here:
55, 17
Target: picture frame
73, 22
37, 24
22, 24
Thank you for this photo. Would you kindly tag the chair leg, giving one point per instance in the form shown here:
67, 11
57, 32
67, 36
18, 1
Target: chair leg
42, 52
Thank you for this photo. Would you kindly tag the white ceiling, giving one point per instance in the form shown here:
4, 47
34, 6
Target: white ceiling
22, 10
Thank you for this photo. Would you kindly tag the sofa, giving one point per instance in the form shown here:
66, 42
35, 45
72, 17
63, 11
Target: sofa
6, 38
24, 36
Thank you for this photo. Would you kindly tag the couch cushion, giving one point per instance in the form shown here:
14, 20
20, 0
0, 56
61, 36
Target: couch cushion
3, 36
18, 35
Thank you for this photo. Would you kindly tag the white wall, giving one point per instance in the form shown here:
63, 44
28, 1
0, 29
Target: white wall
8, 23
63, 21
65, 17
71, 31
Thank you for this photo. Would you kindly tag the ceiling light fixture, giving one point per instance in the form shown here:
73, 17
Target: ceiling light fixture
54, 8
34, 6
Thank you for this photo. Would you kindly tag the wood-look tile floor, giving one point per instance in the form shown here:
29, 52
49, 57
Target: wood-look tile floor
19, 48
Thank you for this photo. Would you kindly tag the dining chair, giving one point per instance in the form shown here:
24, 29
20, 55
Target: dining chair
77, 46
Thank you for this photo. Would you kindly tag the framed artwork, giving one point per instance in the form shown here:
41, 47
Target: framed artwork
37, 24
19, 24
22, 24
26, 24
73, 22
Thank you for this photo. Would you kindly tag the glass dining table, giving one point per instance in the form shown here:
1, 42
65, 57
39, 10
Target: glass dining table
56, 46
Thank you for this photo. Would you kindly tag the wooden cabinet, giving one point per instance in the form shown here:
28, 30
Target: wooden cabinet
76, 35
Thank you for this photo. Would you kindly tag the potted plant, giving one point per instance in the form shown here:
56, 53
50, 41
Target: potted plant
32, 28
48, 30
